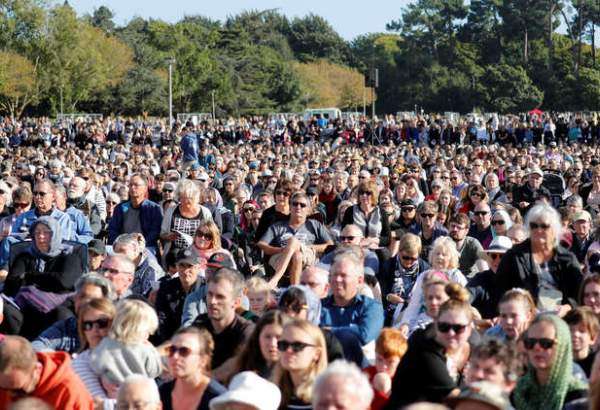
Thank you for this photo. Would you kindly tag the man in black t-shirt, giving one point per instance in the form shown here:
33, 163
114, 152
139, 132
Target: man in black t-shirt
229, 330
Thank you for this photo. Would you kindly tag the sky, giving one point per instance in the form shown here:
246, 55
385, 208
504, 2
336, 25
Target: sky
348, 17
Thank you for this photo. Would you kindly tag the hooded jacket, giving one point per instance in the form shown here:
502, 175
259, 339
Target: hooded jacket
58, 386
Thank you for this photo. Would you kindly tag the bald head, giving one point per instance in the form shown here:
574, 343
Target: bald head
351, 234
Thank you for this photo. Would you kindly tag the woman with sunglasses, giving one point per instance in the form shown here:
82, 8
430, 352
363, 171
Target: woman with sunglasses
189, 357
303, 356
541, 265
368, 216
244, 236
278, 212
475, 194
207, 241
433, 365
93, 323
549, 382
501, 223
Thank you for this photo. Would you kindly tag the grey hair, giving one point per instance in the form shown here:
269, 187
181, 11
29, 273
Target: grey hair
150, 391
187, 188
352, 256
123, 260
543, 212
94, 279
574, 198
135, 239
353, 379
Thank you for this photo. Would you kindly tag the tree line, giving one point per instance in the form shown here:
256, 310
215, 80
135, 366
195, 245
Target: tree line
491, 55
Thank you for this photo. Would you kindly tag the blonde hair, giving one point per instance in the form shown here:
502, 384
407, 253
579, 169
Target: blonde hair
134, 322
445, 243
103, 305
257, 284
189, 189
409, 242
281, 376
214, 231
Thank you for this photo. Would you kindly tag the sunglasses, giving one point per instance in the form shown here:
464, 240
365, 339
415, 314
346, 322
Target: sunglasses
498, 222
102, 323
427, 215
476, 194
544, 343
446, 327
481, 213
347, 238
409, 258
283, 346
20, 205
495, 256
407, 208
167, 190
249, 209
283, 193
40, 193
535, 225
300, 204
368, 193
204, 235
180, 350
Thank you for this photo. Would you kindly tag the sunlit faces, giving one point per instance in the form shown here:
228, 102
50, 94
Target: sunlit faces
435, 295
302, 359
267, 339
591, 296
453, 329
537, 340
514, 318
42, 235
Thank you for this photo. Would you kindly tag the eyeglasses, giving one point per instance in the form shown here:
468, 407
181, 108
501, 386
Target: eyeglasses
427, 215
283, 193
535, 225
114, 271
182, 351
481, 213
283, 346
101, 323
300, 204
544, 343
40, 193
446, 327
20, 205
347, 238
498, 222
204, 235
368, 193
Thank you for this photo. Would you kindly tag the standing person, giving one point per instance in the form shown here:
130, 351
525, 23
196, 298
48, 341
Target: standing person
303, 358
189, 145
47, 376
189, 356
138, 215
549, 382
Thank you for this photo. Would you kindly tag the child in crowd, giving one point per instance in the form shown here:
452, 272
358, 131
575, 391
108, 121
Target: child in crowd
584, 327
259, 296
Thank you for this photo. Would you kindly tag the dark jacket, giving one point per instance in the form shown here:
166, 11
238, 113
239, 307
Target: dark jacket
386, 277
516, 270
524, 193
151, 215
422, 374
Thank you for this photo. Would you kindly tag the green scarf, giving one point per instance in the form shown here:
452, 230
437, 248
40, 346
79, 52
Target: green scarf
529, 395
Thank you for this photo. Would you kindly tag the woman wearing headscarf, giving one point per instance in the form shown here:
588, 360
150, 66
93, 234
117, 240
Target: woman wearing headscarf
549, 383
43, 276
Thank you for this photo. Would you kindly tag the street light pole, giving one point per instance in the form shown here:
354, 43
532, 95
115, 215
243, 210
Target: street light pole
171, 62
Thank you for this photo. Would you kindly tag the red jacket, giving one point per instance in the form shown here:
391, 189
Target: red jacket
59, 386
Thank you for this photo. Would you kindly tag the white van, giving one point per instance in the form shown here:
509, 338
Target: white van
327, 113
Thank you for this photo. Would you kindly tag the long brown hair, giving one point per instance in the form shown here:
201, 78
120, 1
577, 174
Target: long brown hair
103, 305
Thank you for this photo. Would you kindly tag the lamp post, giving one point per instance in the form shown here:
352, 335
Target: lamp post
171, 62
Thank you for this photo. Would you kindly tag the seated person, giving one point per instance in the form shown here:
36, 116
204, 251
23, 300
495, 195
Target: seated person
352, 235
584, 326
354, 319
496, 362
62, 334
43, 276
389, 350
295, 243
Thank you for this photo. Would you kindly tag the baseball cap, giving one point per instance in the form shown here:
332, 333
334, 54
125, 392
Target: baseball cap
220, 260
188, 256
536, 170
582, 215
97, 246
408, 202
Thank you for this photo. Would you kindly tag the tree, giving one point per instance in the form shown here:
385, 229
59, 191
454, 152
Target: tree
509, 89
18, 83
312, 37
102, 18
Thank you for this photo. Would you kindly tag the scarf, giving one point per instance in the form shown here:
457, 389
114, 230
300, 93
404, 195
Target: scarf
529, 395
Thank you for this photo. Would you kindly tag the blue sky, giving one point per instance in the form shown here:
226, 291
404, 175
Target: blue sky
350, 17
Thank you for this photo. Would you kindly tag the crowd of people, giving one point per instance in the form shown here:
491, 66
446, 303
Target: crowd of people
284, 263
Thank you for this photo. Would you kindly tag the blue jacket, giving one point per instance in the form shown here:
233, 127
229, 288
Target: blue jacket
83, 230
189, 146
61, 336
363, 316
151, 216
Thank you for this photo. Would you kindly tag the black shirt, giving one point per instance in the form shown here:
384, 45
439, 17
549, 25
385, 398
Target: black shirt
213, 390
170, 299
229, 340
